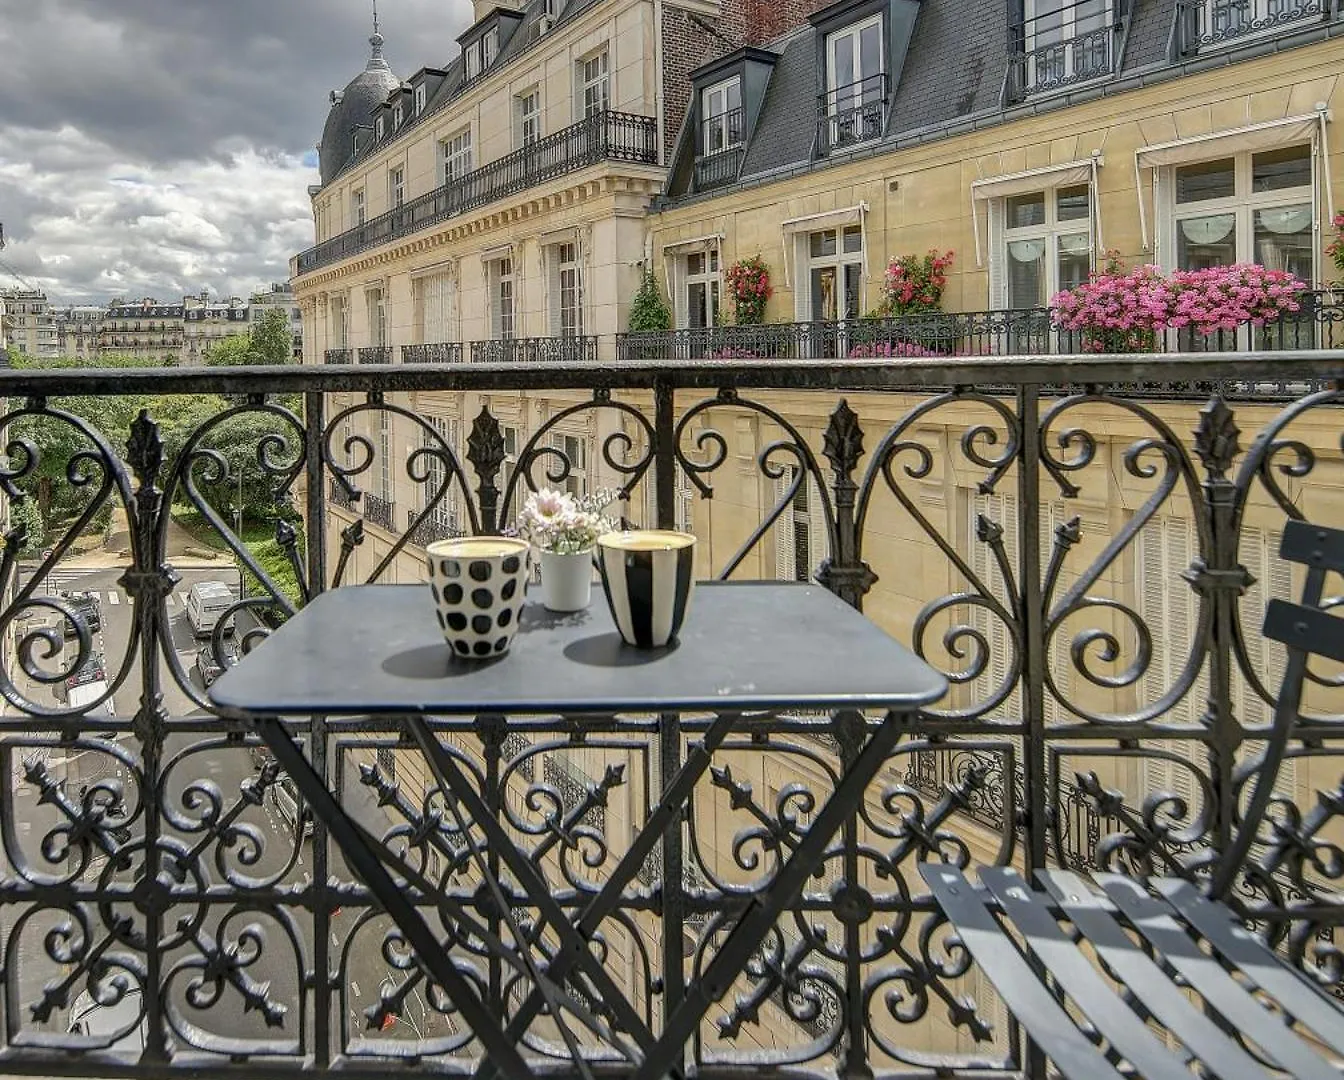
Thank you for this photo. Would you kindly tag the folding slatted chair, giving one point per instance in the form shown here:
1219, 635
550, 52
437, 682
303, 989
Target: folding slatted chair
1170, 918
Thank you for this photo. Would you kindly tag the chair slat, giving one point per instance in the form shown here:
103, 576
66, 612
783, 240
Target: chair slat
1314, 545
1156, 921
1298, 997
1091, 914
1019, 986
1081, 980
1307, 628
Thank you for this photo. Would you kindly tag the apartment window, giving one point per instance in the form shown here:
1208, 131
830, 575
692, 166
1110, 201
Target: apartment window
384, 455
455, 155
835, 274
1066, 40
1045, 245
722, 110
566, 291
702, 288
397, 186
1250, 207
378, 129
529, 117
445, 514
595, 83
502, 295
398, 115
434, 297
357, 206
800, 531
855, 82
480, 54
575, 449
377, 317
420, 99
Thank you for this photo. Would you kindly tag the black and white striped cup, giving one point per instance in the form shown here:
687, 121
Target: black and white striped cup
648, 576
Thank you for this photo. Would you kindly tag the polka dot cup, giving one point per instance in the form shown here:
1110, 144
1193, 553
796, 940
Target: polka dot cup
479, 584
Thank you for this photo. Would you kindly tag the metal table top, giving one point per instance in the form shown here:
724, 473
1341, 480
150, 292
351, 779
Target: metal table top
378, 649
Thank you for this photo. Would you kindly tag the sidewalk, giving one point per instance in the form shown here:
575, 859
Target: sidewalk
116, 549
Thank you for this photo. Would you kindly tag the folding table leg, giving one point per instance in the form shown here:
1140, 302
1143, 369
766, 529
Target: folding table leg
365, 862
762, 911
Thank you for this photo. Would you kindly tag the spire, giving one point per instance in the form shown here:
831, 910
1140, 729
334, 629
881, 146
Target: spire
376, 61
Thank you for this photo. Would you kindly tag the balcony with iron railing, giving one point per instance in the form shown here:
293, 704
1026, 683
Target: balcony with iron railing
1072, 43
606, 136
1085, 545
720, 150
851, 115
422, 531
340, 356
1201, 25
575, 348
376, 354
444, 352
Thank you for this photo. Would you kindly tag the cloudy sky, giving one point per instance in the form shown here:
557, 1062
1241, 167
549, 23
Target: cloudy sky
162, 147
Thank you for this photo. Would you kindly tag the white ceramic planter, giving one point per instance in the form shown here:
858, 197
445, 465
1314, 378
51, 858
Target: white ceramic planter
566, 581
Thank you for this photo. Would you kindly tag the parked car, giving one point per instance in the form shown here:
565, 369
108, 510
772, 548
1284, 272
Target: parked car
90, 1019
207, 601
91, 673
211, 666
285, 795
86, 607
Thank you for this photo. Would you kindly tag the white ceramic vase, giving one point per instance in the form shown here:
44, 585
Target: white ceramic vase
566, 581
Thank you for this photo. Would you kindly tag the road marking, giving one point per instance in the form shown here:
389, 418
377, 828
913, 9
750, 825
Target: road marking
337, 942
353, 985
184, 598
113, 598
168, 600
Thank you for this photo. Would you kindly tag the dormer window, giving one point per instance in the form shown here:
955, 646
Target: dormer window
854, 104
480, 54
378, 130
398, 115
1065, 41
419, 99
721, 128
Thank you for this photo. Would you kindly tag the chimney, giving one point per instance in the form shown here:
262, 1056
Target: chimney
481, 8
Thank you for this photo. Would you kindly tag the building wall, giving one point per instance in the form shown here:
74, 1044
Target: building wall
920, 197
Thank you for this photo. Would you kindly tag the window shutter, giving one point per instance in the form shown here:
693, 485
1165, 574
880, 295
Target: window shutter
552, 257
998, 284
784, 539
821, 540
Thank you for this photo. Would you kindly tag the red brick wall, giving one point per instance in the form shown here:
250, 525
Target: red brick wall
687, 44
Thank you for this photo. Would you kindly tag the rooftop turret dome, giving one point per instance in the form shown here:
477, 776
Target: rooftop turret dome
351, 109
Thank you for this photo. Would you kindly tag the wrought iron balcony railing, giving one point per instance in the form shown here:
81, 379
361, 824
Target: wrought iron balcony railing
1085, 544
381, 512
444, 352
1209, 24
340, 356
423, 531
376, 354
850, 115
570, 349
606, 136
1073, 43
720, 150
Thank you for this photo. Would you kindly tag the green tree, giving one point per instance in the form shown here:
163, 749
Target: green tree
232, 352
649, 312
272, 339
25, 512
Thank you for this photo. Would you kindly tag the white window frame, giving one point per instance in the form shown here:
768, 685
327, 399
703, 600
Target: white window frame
1243, 204
454, 156
1051, 232
502, 280
711, 278
398, 116
715, 138
378, 133
1060, 64
574, 445
445, 514
396, 184
357, 206
856, 98
566, 277
385, 458
376, 303
435, 305
595, 84
421, 94
529, 123
841, 259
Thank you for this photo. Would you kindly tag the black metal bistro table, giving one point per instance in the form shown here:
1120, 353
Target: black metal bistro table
746, 649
